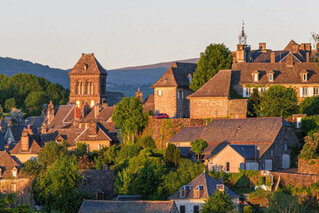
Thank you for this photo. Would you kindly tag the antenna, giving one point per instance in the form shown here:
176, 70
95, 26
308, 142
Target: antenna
242, 36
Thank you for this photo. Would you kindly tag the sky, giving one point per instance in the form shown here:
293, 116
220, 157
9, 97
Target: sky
125, 33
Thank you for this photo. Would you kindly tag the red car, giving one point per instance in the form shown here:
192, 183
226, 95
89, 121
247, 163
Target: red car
161, 116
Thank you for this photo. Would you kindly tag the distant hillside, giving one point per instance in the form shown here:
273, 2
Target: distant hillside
125, 80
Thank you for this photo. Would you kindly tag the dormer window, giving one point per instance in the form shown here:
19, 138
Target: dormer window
197, 191
271, 77
85, 67
14, 172
183, 191
220, 187
255, 76
190, 77
304, 77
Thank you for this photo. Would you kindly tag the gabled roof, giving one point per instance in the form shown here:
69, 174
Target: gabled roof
94, 133
289, 45
249, 152
35, 121
217, 86
177, 75
63, 117
209, 188
7, 163
104, 114
87, 64
149, 99
104, 206
34, 147
187, 134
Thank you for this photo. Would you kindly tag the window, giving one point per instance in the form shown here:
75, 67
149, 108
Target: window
220, 187
159, 92
180, 94
227, 166
13, 187
249, 90
14, 173
271, 77
304, 77
196, 209
100, 196
196, 193
77, 103
285, 146
100, 146
182, 209
92, 104
316, 91
256, 78
182, 193
304, 91
271, 153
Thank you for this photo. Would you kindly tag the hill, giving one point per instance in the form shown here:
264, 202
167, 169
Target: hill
125, 80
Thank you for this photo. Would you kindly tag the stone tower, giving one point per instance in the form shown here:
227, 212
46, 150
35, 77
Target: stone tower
87, 82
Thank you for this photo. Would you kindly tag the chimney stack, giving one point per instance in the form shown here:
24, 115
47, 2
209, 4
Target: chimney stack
307, 57
262, 47
77, 113
92, 127
50, 113
139, 95
272, 57
294, 48
96, 110
25, 140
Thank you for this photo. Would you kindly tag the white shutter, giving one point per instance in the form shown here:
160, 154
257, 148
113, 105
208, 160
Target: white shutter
300, 90
244, 92
310, 91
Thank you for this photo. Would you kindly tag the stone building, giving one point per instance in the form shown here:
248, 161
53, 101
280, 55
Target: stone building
261, 68
12, 181
273, 138
87, 82
192, 196
213, 99
171, 90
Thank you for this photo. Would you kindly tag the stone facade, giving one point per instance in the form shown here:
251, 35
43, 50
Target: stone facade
22, 187
295, 179
189, 205
201, 108
165, 100
308, 166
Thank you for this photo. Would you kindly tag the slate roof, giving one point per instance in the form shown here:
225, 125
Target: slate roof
98, 180
283, 74
237, 106
63, 117
209, 188
94, 133
177, 75
94, 206
249, 152
258, 131
7, 163
34, 147
217, 86
35, 121
104, 114
87, 64
187, 134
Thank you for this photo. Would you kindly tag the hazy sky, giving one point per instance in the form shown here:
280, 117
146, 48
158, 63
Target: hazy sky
137, 32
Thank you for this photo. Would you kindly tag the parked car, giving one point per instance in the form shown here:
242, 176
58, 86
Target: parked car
161, 116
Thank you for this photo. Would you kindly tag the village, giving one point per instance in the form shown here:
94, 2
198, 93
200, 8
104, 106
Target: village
236, 132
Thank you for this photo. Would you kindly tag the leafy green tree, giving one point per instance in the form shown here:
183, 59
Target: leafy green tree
278, 101
50, 152
9, 104
81, 149
309, 125
31, 168
198, 147
172, 155
146, 141
310, 149
248, 209
57, 188
220, 202
253, 103
216, 57
111, 153
35, 101
127, 152
282, 202
309, 106
6, 201
128, 116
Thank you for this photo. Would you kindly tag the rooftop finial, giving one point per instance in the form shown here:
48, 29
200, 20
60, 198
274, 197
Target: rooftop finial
242, 36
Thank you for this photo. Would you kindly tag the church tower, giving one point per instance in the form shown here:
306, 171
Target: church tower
87, 82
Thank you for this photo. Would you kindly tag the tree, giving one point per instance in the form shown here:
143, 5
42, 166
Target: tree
216, 57
35, 101
253, 103
220, 202
282, 202
50, 152
309, 106
278, 101
81, 149
9, 104
31, 168
6, 202
309, 124
146, 141
128, 116
310, 149
172, 155
110, 154
198, 147
57, 188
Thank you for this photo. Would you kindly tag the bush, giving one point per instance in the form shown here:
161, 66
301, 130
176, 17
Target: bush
309, 106
248, 209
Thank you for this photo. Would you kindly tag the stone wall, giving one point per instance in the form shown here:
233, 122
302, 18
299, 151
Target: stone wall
308, 166
162, 130
165, 100
208, 108
295, 179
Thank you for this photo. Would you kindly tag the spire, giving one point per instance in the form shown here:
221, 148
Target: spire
242, 36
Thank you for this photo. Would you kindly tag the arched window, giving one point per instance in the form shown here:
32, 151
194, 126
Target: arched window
87, 87
82, 88
77, 103
91, 87
77, 91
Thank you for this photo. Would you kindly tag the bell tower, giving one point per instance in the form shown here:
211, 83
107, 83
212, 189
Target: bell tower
87, 82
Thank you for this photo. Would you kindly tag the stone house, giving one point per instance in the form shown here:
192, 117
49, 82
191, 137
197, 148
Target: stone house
28, 146
213, 99
171, 90
262, 68
103, 206
192, 196
273, 138
12, 181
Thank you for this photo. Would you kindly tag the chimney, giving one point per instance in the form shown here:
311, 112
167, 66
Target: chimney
241, 53
50, 114
294, 48
25, 140
139, 95
77, 113
10, 122
272, 57
44, 129
307, 57
289, 60
30, 130
262, 47
96, 110
92, 128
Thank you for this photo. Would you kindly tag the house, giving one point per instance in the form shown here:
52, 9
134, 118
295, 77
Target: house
148, 104
273, 138
28, 146
171, 90
92, 206
213, 99
12, 181
98, 183
192, 196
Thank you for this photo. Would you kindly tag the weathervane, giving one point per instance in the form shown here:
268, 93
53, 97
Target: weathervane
242, 36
